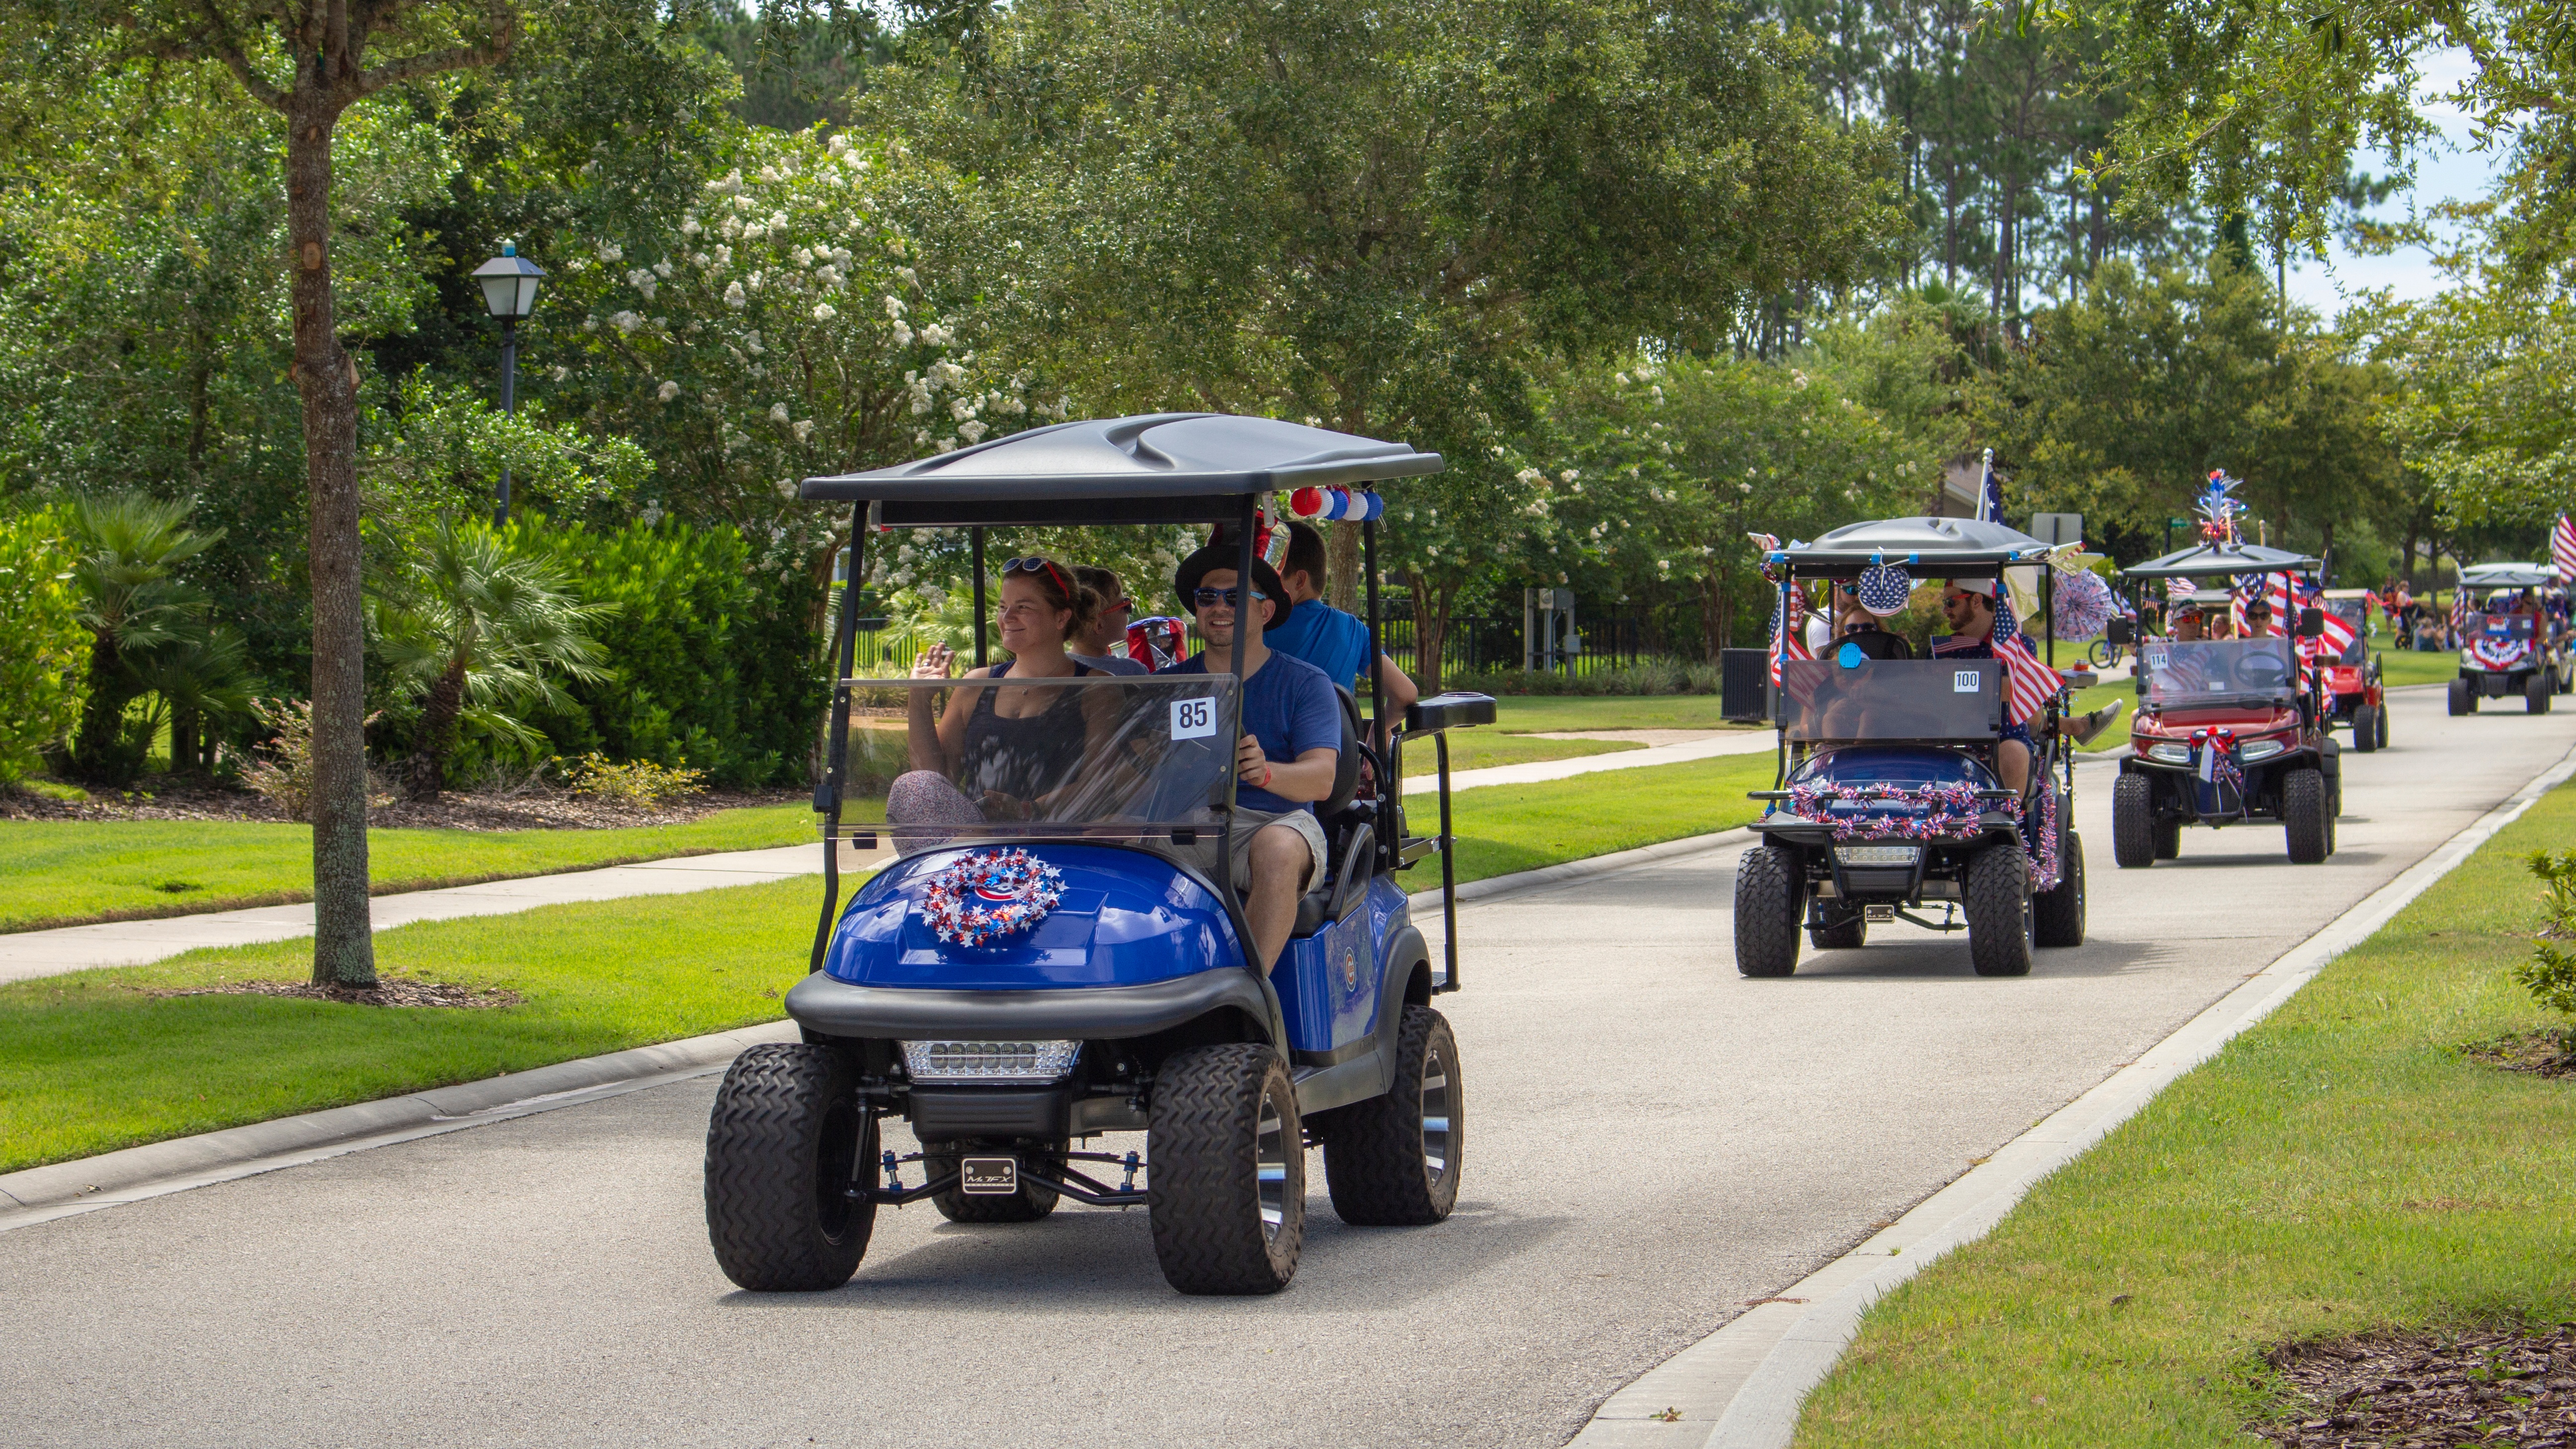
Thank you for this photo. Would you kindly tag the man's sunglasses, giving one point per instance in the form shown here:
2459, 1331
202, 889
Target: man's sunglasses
1231, 598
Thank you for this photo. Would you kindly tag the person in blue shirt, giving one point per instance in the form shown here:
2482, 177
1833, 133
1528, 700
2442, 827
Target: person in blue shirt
1324, 636
1290, 748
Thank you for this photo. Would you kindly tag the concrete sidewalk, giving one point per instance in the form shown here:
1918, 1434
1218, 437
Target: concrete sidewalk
26, 955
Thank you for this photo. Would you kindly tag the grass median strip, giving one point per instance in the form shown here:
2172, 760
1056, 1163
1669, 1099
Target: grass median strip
67, 872
98, 1060
2343, 1166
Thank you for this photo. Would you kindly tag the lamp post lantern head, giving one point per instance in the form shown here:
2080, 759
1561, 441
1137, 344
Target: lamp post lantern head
509, 284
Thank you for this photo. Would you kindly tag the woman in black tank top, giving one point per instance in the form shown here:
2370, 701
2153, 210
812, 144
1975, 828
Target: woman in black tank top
997, 749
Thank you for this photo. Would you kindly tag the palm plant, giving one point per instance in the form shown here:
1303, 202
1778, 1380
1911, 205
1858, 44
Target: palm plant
133, 602
476, 633
194, 681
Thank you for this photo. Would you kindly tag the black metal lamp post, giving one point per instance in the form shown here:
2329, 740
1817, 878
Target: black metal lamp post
510, 290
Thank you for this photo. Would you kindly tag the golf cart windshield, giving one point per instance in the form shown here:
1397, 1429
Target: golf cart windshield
1101, 757
1890, 699
2218, 671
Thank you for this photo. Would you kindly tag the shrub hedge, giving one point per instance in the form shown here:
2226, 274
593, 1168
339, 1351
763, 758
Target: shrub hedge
714, 664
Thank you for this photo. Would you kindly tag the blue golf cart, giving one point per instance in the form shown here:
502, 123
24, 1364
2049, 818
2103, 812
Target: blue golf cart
1889, 804
1069, 957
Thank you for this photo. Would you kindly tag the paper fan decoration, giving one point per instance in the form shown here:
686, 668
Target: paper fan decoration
2084, 605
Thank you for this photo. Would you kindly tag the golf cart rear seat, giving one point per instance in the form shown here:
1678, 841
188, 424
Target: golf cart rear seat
1350, 854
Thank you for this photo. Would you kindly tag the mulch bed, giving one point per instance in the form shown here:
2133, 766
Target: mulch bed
388, 991
536, 808
2490, 1387
2546, 1053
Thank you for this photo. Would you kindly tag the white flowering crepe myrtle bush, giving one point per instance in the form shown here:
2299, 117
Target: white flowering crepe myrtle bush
814, 312
1669, 466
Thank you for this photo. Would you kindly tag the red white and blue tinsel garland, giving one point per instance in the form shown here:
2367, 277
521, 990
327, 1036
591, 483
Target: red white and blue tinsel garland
982, 898
2214, 759
1947, 810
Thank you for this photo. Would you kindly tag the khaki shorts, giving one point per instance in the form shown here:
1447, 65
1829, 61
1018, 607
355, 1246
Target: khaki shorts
1250, 823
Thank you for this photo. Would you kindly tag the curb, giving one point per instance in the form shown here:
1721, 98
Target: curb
1741, 1387
41, 1194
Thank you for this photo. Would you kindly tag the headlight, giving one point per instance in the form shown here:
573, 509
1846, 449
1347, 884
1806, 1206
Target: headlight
1877, 854
2262, 750
2170, 753
989, 1061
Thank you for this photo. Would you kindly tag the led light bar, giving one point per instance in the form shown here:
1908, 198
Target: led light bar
989, 1061
1877, 854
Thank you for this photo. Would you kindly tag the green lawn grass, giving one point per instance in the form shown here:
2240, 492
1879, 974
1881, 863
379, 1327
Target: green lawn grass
1476, 749
2339, 1167
61, 872
2408, 666
1520, 714
91, 1061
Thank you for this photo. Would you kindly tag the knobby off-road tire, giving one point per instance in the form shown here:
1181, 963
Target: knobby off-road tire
1770, 890
785, 1144
2463, 699
1027, 1205
2057, 917
1227, 1189
2135, 831
2365, 729
1851, 935
1999, 916
1392, 1161
2535, 694
2304, 815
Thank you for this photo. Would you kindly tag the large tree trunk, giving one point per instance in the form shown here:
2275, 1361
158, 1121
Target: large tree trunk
1712, 616
1430, 631
1342, 566
344, 948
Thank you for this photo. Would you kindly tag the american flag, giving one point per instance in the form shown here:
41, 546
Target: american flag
2562, 549
2033, 684
1788, 629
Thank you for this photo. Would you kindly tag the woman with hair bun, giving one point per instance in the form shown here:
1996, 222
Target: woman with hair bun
999, 750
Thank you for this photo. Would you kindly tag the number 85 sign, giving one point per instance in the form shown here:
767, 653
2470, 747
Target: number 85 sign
1193, 719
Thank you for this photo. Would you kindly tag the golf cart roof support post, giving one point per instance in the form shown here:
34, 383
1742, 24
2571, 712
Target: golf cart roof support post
1391, 769
1779, 721
845, 642
1244, 616
1448, 867
976, 535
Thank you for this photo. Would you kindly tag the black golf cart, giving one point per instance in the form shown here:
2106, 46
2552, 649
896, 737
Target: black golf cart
1888, 801
2504, 653
1072, 958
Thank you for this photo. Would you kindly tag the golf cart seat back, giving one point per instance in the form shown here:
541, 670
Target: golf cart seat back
1878, 644
1350, 856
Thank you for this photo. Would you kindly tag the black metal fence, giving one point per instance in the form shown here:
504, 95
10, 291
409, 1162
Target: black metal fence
1473, 645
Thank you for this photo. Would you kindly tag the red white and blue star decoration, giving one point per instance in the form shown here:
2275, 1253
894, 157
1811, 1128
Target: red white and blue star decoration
1884, 588
981, 898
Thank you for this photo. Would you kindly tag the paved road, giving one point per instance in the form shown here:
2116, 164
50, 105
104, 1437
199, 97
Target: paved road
1655, 1141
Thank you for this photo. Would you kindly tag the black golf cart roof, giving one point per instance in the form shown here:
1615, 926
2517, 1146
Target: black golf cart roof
2210, 560
1938, 546
2508, 576
1157, 468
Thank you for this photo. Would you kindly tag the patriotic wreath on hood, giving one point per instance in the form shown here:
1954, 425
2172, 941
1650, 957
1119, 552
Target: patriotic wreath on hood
981, 898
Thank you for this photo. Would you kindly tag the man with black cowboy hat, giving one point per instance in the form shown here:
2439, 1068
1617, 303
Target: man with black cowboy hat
1291, 744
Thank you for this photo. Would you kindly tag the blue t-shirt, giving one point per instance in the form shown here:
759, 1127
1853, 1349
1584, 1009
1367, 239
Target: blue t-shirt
1325, 637
1289, 706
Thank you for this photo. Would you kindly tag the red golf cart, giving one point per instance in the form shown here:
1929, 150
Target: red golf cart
2229, 731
